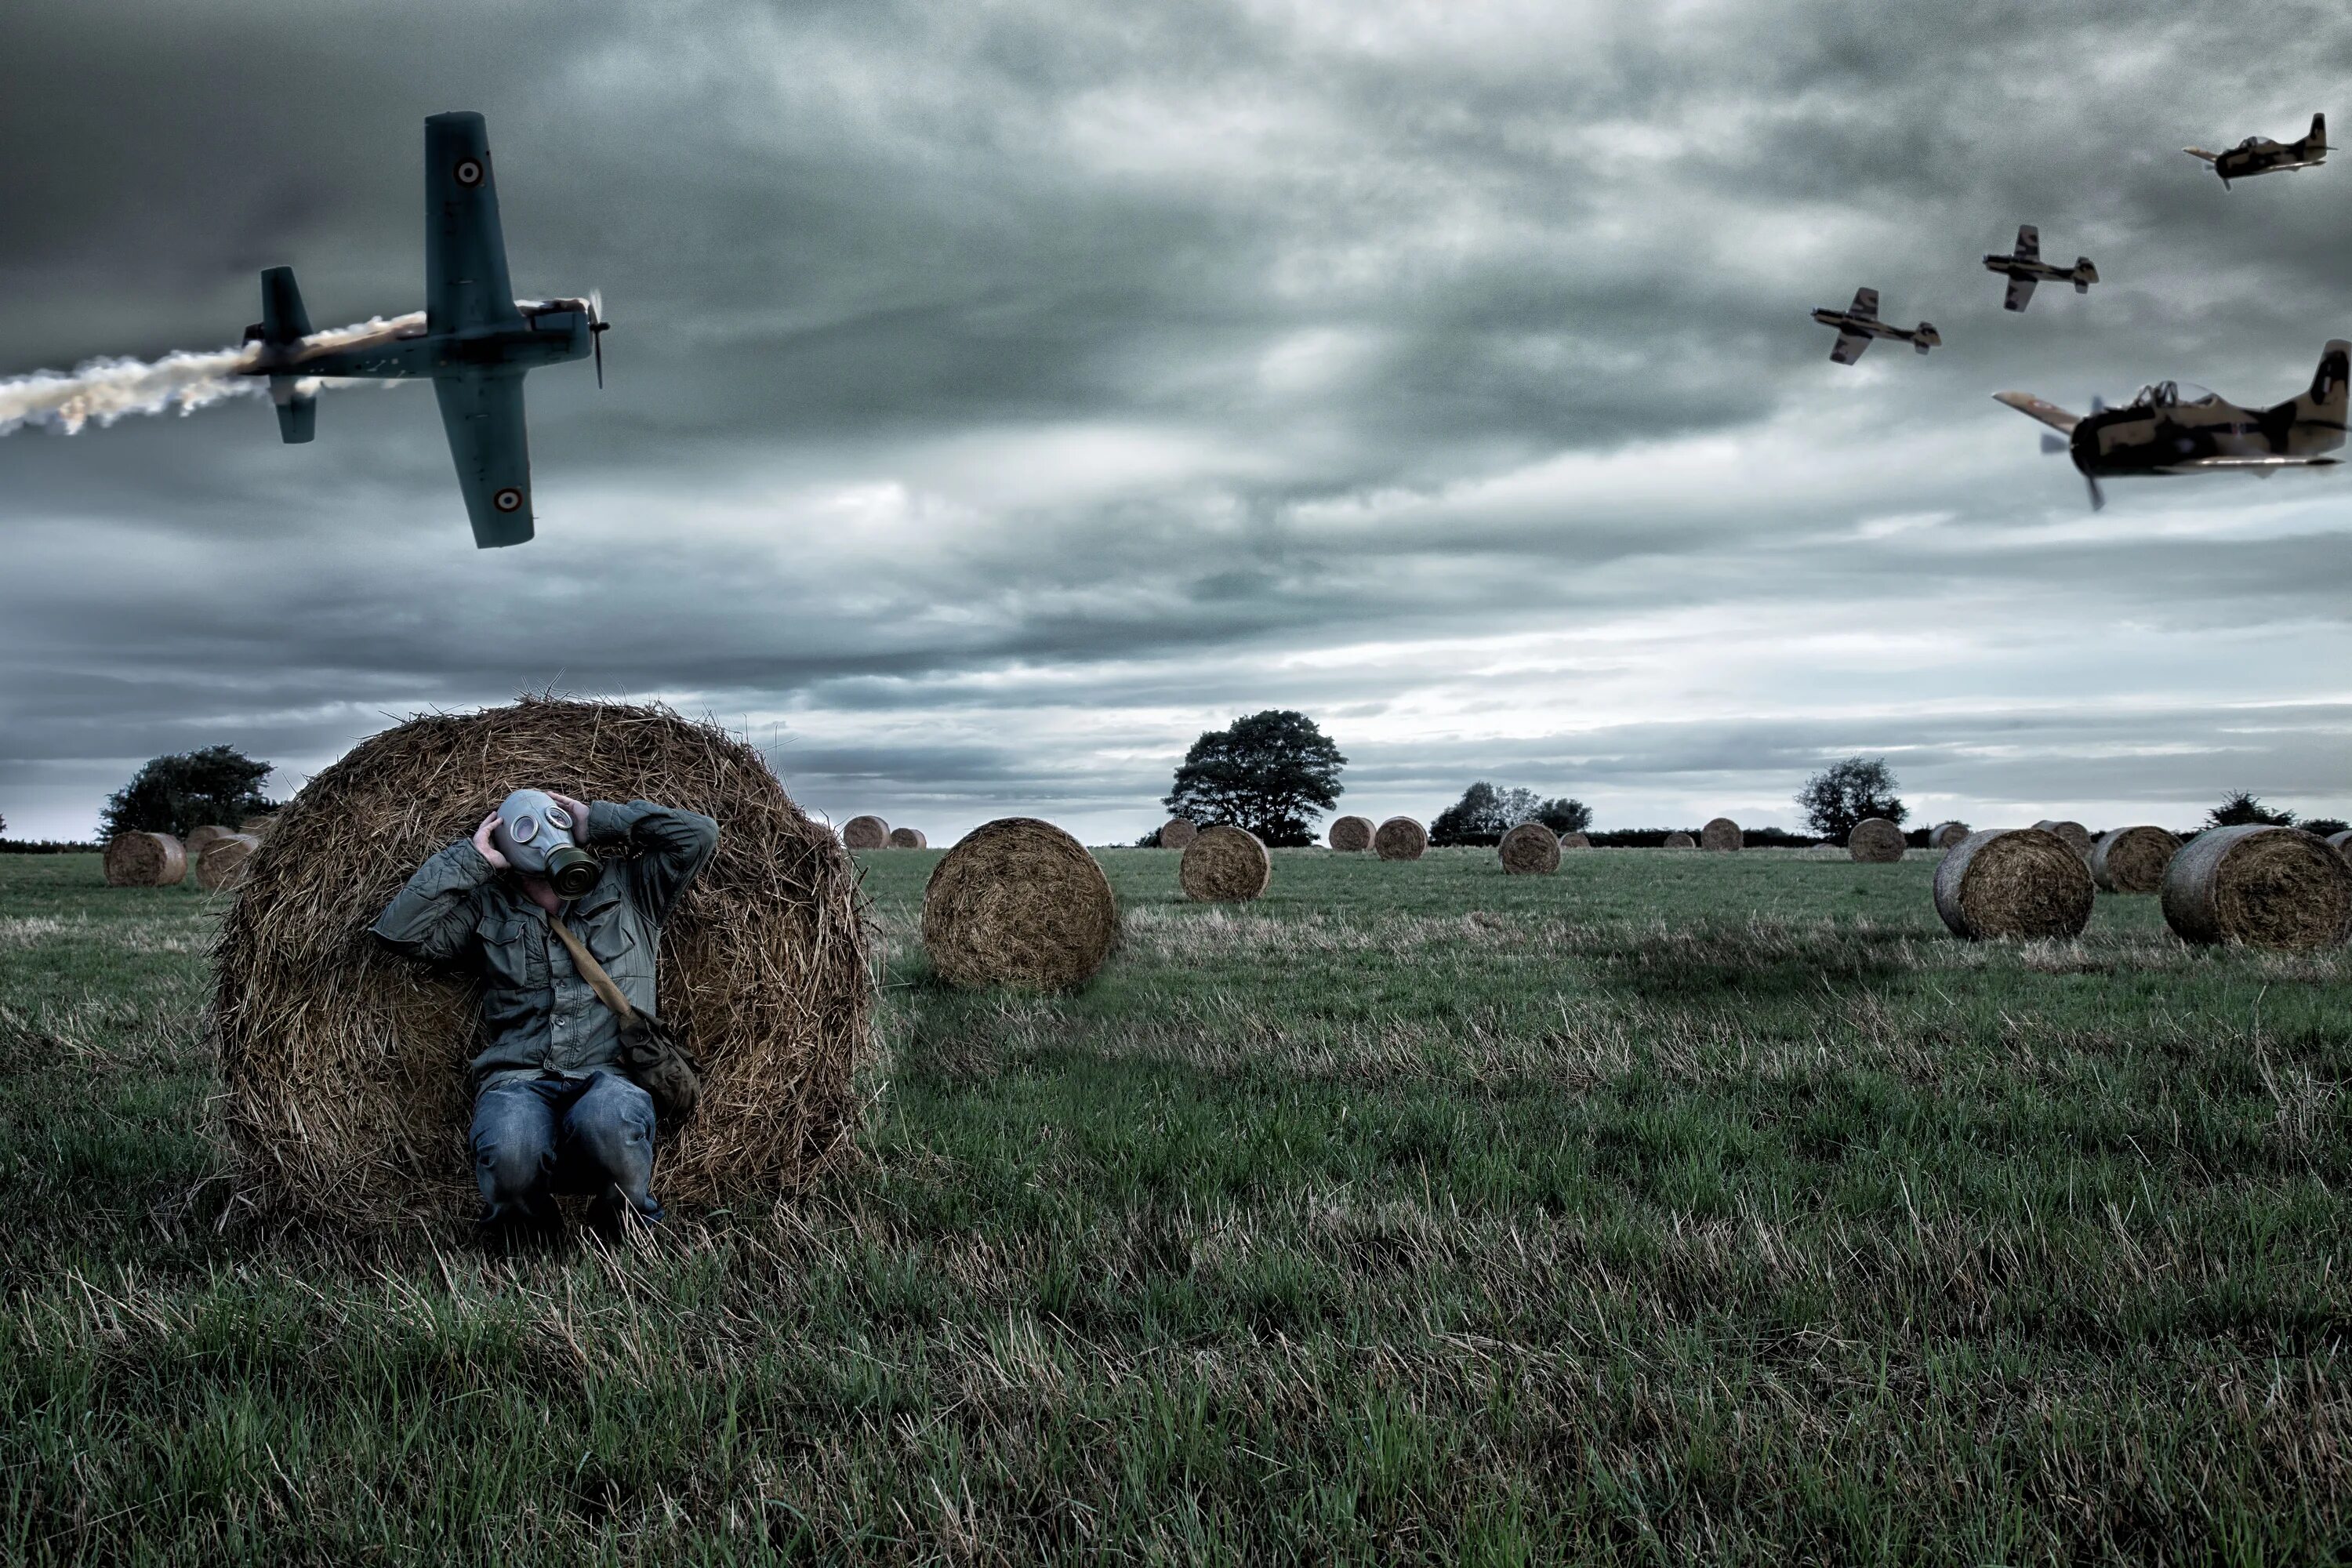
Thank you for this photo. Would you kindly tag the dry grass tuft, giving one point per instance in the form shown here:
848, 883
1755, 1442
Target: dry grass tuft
1401, 838
144, 860
345, 1063
1873, 841
1018, 902
2014, 882
2259, 885
867, 832
2132, 859
1529, 849
1352, 835
1224, 865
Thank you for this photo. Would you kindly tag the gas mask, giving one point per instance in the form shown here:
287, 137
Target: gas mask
538, 839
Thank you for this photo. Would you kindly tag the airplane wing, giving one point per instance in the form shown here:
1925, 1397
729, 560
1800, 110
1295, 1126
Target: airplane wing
2021, 290
2259, 464
464, 251
2201, 153
1848, 347
2029, 242
1865, 304
483, 414
2050, 413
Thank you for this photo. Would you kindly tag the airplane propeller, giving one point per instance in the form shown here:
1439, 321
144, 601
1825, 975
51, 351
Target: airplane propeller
2052, 445
597, 327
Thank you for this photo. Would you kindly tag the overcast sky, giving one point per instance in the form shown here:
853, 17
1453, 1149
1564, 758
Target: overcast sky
1001, 393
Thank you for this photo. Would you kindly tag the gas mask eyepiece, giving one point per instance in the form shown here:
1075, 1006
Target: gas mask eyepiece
539, 838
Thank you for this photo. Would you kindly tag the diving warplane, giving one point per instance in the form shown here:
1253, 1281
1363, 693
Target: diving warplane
1859, 324
2260, 155
474, 338
2172, 428
2026, 268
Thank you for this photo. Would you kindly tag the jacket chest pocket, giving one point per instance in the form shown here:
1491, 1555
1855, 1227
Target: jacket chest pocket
622, 950
510, 956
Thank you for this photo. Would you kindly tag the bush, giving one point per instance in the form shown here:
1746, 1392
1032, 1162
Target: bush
2241, 809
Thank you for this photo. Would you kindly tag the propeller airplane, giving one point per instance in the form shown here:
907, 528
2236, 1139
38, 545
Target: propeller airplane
474, 340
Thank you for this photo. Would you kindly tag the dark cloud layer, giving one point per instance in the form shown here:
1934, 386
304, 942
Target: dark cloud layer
1001, 394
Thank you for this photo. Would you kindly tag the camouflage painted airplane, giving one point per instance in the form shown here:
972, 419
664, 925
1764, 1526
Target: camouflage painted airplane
2025, 269
2260, 155
1859, 324
2170, 429
474, 338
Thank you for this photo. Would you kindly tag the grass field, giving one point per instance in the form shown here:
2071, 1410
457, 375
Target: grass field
1672, 1207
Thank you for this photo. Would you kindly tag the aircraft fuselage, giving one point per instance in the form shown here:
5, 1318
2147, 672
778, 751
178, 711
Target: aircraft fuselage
553, 333
2159, 435
1865, 326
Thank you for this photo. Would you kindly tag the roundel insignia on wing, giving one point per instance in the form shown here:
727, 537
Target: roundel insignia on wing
506, 500
469, 171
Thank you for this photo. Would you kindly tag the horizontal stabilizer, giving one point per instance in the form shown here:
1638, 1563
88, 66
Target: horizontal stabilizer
2050, 413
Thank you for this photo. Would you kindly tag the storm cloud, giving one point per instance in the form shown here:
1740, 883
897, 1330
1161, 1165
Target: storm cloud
1000, 395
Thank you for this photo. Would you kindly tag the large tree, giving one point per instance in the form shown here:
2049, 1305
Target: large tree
176, 795
1273, 773
1849, 792
1484, 814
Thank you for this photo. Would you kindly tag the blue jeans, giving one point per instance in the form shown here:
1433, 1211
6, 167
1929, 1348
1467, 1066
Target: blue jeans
536, 1136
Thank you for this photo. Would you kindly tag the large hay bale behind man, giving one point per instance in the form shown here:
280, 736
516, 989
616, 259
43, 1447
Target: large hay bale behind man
345, 1063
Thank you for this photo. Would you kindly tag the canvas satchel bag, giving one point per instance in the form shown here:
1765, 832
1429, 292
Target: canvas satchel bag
655, 1059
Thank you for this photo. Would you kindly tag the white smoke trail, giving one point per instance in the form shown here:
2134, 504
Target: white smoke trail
107, 390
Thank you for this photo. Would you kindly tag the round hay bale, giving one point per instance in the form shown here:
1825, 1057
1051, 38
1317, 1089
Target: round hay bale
193, 845
144, 860
908, 838
345, 1063
1722, 834
1224, 865
1576, 841
1177, 832
2132, 859
866, 832
2341, 843
1529, 849
2076, 837
1018, 902
2013, 881
2259, 885
1873, 841
1680, 841
1944, 835
222, 862
1352, 835
1401, 838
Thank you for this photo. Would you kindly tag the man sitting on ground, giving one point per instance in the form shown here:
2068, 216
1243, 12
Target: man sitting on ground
555, 1112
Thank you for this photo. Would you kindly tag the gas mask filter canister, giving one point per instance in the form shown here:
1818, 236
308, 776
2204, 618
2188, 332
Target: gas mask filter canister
539, 838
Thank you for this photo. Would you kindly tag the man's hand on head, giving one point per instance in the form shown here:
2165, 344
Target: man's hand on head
579, 810
482, 842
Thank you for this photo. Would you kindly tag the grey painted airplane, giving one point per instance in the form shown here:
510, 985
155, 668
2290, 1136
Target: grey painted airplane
1856, 326
2172, 428
2025, 268
2260, 155
474, 338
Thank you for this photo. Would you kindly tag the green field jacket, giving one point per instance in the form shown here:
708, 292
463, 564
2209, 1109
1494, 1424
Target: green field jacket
539, 1016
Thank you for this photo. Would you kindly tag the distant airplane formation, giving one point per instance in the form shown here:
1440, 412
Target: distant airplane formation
2167, 429
476, 343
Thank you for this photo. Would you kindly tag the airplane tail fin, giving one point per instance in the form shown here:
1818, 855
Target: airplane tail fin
1926, 338
2317, 141
297, 411
2084, 275
283, 319
2320, 413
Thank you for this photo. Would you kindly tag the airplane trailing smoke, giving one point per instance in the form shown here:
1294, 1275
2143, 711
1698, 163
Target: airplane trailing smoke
106, 390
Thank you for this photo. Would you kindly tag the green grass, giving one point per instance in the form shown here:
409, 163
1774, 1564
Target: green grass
1672, 1207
